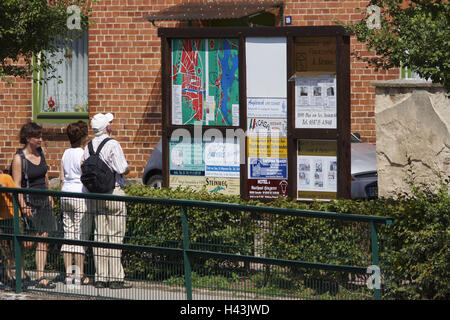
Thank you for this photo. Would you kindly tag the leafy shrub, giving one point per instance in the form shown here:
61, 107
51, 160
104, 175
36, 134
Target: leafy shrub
419, 236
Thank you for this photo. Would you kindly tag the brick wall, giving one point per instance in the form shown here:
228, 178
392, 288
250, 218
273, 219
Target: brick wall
125, 78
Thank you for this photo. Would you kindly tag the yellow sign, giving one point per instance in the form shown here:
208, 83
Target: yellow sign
267, 147
317, 147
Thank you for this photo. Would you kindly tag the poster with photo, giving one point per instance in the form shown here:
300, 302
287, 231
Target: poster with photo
315, 101
314, 174
316, 169
268, 168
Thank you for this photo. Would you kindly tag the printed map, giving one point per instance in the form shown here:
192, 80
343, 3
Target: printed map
205, 82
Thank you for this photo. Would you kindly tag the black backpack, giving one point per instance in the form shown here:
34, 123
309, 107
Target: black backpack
96, 176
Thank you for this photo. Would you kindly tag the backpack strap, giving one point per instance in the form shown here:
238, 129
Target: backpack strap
91, 148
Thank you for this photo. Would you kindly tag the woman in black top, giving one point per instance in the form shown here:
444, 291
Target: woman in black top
38, 208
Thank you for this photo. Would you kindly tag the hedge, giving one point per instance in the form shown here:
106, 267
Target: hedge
420, 251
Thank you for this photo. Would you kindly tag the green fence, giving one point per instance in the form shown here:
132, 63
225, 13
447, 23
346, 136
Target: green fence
181, 249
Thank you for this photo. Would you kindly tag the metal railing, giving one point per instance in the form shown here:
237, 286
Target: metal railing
185, 249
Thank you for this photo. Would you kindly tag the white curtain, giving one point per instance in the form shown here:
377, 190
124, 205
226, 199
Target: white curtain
72, 94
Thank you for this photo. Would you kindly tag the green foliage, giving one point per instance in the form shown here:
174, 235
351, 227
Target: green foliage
414, 34
421, 252
418, 253
34, 28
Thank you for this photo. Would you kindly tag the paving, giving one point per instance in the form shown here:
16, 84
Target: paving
140, 290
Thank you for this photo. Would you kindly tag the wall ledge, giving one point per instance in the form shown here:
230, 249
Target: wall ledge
406, 83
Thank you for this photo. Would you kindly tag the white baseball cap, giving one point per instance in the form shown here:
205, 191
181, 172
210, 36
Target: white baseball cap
100, 121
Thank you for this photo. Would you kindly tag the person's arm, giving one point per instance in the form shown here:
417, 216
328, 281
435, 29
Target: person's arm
61, 174
17, 177
47, 183
119, 163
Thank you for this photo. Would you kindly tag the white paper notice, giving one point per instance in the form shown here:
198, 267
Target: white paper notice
317, 173
235, 114
315, 102
267, 107
210, 108
176, 105
222, 159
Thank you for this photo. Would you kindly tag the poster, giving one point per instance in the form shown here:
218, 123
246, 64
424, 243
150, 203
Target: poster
205, 82
194, 182
227, 186
267, 147
264, 127
267, 168
315, 102
317, 169
222, 159
267, 108
186, 157
268, 189
315, 54
265, 63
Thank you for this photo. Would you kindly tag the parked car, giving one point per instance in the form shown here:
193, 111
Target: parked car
152, 175
364, 183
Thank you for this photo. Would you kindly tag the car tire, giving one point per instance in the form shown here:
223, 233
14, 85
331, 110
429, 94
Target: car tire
155, 181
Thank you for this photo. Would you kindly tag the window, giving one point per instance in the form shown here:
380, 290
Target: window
64, 97
408, 74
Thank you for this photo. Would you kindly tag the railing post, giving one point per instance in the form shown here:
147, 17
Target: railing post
187, 262
375, 262
17, 243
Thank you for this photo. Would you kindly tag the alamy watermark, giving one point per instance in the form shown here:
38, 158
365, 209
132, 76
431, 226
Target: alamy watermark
374, 18
74, 19
73, 278
238, 135
374, 281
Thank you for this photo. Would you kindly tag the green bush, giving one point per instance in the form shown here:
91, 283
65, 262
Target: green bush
419, 249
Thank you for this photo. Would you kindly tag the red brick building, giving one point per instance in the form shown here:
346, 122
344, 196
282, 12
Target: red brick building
124, 77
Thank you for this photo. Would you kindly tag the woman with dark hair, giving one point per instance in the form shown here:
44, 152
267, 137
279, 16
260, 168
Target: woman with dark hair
76, 221
29, 170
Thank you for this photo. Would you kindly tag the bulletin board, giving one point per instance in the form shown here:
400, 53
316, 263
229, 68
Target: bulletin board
257, 112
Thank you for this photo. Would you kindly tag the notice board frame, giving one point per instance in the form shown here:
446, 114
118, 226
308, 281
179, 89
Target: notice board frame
341, 134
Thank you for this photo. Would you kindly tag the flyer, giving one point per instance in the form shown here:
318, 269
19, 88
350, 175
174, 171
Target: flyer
267, 108
315, 102
194, 182
265, 127
227, 186
268, 189
267, 147
317, 173
316, 169
222, 159
186, 158
267, 168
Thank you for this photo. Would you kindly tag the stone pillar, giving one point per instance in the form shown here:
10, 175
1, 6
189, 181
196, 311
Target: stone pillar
413, 135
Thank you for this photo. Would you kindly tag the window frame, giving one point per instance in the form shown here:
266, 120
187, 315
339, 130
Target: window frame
54, 117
